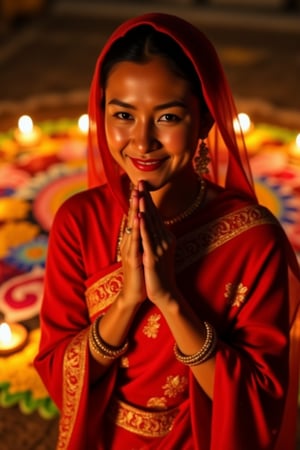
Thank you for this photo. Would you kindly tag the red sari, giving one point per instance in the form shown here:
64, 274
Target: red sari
232, 265
215, 260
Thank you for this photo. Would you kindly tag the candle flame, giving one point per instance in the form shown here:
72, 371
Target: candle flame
298, 141
25, 124
242, 123
83, 123
5, 334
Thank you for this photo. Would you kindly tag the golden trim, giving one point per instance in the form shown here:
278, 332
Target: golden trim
190, 248
207, 238
73, 379
103, 292
138, 421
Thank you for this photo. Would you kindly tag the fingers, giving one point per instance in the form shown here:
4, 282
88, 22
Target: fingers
128, 230
131, 216
133, 208
154, 233
133, 291
144, 229
131, 248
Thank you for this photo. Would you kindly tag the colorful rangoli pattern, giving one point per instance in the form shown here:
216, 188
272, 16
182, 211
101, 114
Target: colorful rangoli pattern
36, 181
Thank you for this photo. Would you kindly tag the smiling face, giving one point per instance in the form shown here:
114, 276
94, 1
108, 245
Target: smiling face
151, 122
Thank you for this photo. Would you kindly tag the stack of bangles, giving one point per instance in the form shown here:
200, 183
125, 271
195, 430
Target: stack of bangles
207, 351
102, 348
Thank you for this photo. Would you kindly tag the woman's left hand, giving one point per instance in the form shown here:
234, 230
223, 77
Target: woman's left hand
158, 251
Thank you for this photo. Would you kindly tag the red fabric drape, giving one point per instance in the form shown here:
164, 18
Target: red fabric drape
251, 375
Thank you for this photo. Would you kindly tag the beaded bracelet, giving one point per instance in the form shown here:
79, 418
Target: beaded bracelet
207, 350
102, 348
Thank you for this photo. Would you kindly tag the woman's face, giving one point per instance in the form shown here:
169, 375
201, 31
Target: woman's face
151, 122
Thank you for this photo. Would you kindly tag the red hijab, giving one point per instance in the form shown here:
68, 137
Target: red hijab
217, 94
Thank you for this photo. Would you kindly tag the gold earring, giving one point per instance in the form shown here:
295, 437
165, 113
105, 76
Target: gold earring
201, 160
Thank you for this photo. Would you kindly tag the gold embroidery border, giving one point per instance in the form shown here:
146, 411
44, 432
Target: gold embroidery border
190, 248
138, 421
73, 379
218, 232
103, 292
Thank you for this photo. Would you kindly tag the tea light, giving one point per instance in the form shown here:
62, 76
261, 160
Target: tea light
83, 124
294, 150
242, 124
79, 130
27, 134
13, 337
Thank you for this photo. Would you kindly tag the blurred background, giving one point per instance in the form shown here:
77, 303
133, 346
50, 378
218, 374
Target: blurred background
48, 50
49, 47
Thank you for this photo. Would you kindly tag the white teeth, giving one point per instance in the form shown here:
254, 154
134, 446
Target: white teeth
148, 163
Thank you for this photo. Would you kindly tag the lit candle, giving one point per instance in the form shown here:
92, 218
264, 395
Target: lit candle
13, 337
242, 124
80, 129
294, 151
27, 134
83, 123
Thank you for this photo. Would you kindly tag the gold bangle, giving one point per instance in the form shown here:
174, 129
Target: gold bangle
206, 351
101, 347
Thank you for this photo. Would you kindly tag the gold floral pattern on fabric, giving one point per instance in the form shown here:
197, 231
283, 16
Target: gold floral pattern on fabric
152, 327
207, 238
175, 384
73, 379
157, 403
124, 362
138, 421
102, 293
235, 294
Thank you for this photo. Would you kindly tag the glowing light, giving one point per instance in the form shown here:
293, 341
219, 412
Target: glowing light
294, 151
242, 123
5, 334
13, 337
25, 124
27, 134
83, 123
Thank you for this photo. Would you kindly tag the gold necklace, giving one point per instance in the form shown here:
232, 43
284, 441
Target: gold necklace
190, 209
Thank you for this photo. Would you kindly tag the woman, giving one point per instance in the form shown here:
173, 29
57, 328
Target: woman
165, 320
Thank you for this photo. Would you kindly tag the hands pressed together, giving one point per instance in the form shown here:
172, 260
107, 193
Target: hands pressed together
147, 251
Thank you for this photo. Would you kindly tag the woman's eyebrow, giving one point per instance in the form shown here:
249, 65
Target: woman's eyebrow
171, 104
117, 102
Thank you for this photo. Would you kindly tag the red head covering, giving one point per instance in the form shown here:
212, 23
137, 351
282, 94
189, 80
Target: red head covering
103, 169
217, 94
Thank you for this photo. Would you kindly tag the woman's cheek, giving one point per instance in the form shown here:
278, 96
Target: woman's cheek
178, 141
116, 136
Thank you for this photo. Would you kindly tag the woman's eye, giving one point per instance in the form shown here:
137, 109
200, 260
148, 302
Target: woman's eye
123, 115
169, 118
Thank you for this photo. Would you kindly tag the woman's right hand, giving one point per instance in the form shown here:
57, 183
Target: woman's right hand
134, 290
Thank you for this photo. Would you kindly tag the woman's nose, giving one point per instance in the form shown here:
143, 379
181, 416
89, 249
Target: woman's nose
145, 137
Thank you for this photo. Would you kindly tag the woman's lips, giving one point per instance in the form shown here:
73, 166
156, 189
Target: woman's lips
147, 165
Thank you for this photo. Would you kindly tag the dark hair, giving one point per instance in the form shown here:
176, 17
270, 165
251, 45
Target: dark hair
142, 43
